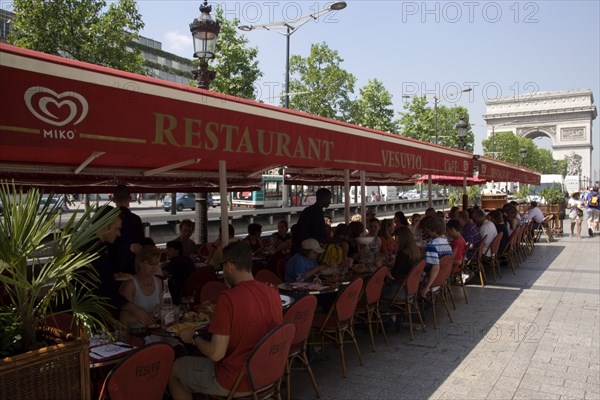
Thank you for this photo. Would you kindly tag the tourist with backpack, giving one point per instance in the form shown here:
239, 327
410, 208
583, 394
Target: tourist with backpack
592, 205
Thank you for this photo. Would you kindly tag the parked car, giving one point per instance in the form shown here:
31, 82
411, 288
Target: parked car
185, 200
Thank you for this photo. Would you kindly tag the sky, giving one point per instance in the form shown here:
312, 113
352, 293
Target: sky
498, 48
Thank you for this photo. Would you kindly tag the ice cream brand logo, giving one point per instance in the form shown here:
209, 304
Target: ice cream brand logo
57, 109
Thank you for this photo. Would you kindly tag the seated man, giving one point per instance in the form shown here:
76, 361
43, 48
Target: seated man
281, 240
186, 229
179, 267
253, 239
243, 315
534, 214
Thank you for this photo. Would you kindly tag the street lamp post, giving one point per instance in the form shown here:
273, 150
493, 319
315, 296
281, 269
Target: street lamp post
205, 32
289, 29
435, 111
461, 131
523, 154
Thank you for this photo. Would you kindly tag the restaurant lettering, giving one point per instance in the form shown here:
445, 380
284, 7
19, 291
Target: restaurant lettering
396, 159
215, 136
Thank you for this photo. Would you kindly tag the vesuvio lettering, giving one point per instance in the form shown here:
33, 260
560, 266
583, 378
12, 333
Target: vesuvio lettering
215, 136
500, 174
148, 370
396, 159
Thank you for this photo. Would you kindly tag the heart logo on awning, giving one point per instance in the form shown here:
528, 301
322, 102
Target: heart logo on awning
54, 108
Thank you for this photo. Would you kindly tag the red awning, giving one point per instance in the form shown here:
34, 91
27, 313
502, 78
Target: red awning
491, 169
451, 180
80, 127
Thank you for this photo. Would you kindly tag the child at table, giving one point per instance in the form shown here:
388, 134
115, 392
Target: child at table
436, 249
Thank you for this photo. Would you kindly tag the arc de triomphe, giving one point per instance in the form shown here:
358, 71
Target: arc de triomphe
565, 117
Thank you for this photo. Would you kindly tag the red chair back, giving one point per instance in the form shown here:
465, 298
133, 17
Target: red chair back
495, 245
445, 268
142, 375
193, 285
345, 304
211, 291
266, 276
414, 278
266, 364
481, 248
374, 286
301, 314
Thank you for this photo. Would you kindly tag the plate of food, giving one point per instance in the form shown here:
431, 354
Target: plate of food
180, 326
122, 276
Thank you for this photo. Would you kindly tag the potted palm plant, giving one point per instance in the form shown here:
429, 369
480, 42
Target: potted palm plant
41, 269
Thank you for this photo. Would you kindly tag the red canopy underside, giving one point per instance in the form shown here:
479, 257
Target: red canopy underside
451, 180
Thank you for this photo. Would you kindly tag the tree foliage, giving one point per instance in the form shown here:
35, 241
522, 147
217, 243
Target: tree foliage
235, 63
507, 147
419, 122
85, 30
374, 108
323, 86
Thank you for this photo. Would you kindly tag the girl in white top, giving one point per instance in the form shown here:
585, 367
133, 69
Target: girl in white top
575, 207
145, 289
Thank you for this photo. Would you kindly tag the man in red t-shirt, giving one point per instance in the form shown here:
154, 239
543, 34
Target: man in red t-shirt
243, 315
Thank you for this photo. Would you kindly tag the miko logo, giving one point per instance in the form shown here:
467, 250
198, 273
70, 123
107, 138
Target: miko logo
465, 166
57, 109
484, 169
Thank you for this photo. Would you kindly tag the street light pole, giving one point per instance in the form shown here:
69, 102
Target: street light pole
289, 30
461, 131
435, 111
205, 32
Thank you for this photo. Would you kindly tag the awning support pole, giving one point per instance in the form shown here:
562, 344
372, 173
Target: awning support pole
223, 193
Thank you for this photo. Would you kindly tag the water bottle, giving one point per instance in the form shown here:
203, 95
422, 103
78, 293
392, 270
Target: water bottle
167, 311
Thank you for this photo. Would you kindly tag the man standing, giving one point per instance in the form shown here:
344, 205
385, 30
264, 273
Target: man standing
186, 228
132, 232
108, 286
243, 315
311, 222
592, 205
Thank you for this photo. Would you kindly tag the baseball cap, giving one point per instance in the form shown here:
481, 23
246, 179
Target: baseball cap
312, 244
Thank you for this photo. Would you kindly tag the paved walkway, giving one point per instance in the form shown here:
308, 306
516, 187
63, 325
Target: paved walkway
534, 335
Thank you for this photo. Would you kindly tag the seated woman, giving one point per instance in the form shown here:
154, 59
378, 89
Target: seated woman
356, 230
386, 235
408, 255
336, 251
145, 289
253, 238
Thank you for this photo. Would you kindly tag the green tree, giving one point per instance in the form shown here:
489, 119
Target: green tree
374, 108
507, 147
85, 30
235, 63
324, 85
418, 122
